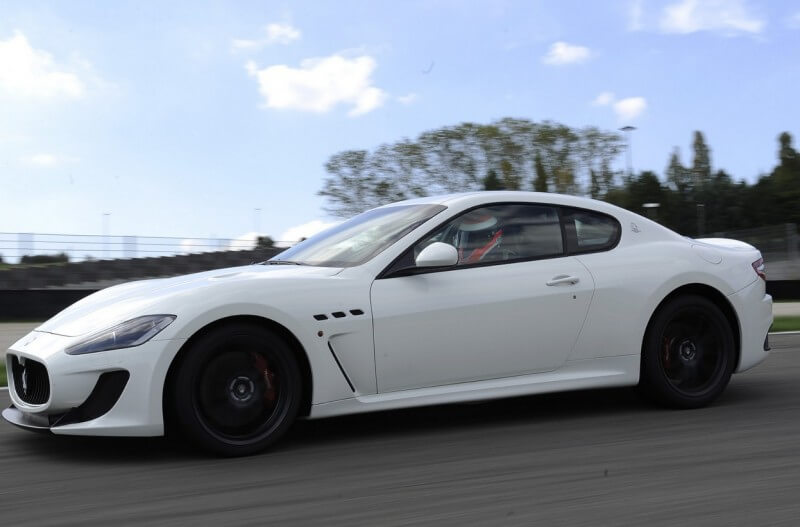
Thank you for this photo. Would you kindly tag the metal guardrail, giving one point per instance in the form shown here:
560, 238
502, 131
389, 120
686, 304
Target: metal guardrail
778, 243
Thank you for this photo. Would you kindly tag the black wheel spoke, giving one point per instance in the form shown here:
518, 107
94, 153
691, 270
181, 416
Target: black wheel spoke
690, 357
233, 396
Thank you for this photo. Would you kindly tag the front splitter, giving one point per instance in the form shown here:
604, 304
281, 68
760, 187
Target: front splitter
32, 423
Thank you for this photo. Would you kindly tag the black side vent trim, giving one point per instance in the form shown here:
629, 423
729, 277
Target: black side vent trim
104, 396
338, 314
356, 312
344, 373
321, 317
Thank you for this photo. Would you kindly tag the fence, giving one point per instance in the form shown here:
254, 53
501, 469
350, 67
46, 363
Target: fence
88, 247
778, 244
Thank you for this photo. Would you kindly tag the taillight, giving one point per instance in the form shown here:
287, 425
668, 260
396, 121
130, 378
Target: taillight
760, 268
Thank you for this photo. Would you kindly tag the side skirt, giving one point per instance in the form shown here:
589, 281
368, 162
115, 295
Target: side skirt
604, 372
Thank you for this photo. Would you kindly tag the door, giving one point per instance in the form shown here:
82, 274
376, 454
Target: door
513, 305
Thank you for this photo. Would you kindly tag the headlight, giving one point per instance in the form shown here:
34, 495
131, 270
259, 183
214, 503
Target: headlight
126, 335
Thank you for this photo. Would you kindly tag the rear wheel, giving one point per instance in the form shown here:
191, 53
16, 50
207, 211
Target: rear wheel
237, 390
689, 353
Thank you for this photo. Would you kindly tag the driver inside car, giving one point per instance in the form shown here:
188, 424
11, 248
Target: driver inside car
478, 238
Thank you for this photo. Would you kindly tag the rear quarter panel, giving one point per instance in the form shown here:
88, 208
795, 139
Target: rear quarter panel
632, 279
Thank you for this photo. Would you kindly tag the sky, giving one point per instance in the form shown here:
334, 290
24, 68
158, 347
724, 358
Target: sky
215, 119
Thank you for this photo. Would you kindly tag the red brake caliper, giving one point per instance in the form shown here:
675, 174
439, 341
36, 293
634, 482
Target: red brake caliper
667, 345
269, 378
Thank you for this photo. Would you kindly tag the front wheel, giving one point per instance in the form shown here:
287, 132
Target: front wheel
689, 353
237, 390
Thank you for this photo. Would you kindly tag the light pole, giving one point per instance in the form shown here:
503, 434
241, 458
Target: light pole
701, 219
628, 129
106, 219
257, 221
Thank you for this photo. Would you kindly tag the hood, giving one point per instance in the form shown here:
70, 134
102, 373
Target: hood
117, 304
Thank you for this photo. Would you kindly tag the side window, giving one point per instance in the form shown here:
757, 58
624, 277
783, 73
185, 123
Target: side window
500, 233
589, 231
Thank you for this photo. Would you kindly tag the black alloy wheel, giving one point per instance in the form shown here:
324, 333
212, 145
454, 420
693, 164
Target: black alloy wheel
688, 354
237, 390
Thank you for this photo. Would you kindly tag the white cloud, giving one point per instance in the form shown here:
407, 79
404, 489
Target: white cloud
630, 108
635, 15
305, 230
48, 160
275, 33
603, 99
282, 33
563, 53
26, 72
723, 16
407, 99
319, 84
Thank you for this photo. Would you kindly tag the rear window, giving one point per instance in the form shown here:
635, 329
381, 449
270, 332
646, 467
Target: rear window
589, 231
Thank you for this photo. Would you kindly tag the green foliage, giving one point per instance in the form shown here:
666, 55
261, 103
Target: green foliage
44, 258
519, 154
523, 154
492, 182
540, 183
264, 242
701, 164
3, 380
786, 323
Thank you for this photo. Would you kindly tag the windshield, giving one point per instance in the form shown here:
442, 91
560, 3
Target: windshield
360, 238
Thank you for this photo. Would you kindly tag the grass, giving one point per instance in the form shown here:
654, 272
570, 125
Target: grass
790, 323
3, 381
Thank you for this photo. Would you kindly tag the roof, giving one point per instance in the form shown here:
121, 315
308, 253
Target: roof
477, 197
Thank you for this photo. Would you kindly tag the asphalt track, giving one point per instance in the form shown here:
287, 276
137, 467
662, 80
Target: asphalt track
584, 458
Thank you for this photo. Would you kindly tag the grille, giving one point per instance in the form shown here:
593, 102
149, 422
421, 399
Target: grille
31, 382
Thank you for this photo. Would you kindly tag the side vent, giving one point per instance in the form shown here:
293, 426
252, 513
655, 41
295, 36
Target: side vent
344, 373
339, 314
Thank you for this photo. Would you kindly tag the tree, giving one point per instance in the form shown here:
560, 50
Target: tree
492, 182
786, 182
540, 183
44, 258
522, 153
547, 156
264, 242
701, 162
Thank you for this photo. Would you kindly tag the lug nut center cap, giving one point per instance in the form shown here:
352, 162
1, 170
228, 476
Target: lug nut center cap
687, 350
241, 388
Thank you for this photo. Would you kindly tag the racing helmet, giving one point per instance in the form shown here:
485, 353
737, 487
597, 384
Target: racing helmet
479, 232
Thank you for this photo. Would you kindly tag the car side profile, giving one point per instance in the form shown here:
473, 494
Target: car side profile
435, 300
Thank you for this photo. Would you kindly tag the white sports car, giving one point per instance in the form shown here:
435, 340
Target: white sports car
436, 300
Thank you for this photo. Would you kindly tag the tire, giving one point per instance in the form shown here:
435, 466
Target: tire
688, 354
237, 390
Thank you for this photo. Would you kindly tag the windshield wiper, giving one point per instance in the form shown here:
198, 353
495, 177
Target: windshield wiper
282, 262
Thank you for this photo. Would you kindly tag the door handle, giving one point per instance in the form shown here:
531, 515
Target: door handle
564, 279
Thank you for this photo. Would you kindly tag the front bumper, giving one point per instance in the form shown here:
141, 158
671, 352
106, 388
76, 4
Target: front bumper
110, 393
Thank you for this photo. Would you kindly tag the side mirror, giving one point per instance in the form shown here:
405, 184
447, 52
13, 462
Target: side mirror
437, 254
